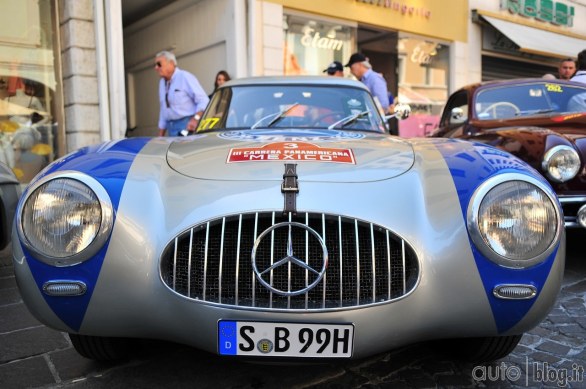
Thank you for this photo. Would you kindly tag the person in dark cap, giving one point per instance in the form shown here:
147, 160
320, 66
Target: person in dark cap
362, 70
335, 69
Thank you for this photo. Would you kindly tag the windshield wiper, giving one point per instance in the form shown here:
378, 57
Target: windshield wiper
534, 111
349, 119
277, 116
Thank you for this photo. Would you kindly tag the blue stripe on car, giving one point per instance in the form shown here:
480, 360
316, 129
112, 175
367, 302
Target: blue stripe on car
109, 164
469, 169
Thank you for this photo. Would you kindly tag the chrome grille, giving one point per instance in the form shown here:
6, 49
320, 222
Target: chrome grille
368, 264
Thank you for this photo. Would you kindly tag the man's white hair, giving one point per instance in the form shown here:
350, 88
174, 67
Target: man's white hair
167, 54
367, 64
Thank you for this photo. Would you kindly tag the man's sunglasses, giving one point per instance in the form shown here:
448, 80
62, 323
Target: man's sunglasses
158, 64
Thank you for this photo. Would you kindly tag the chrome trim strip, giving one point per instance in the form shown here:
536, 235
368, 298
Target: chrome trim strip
189, 262
324, 280
205, 261
238, 259
306, 259
357, 261
252, 275
388, 264
373, 264
571, 199
340, 257
403, 261
289, 269
221, 259
175, 264
272, 259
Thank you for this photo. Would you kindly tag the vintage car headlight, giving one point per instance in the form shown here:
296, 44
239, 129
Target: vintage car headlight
561, 163
65, 218
514, 220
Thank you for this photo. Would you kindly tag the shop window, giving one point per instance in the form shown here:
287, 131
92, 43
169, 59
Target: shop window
311, 45
423, 83
28, 127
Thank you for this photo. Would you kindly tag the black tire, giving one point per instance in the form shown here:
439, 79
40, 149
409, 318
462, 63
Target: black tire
100, 348
481, 349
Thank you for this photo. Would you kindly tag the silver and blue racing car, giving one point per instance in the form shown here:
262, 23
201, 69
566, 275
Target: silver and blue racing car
290, 226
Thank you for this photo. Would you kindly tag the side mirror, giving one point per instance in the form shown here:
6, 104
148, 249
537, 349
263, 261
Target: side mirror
401, 112
457, 116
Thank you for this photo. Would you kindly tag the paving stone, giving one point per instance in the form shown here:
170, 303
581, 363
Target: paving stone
9, 296
571, 329
7, 282
541, 332
31, 372
540, 357
578, 288
555, 348
31, 342
70, 365
6, 271
558, 319
16, 316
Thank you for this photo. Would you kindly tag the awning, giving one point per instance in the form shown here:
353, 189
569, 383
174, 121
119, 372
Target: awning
537, 41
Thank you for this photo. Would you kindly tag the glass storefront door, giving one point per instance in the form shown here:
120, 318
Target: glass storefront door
312, 44
28, 84
423, 84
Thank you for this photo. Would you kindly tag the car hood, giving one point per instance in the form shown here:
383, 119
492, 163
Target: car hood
320, 155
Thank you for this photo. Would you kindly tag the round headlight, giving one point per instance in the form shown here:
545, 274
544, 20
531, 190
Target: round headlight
65, 220
515, 223
561, 163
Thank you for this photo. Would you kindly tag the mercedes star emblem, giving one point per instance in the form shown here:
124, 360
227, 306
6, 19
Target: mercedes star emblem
290, 258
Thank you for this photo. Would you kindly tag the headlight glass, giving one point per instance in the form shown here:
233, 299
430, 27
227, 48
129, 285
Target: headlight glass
561, 163
515, 223
63, 217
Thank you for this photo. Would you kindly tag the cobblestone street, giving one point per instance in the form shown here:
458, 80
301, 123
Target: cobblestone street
552, 355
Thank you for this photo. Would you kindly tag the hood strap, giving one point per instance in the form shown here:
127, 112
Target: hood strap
290, 188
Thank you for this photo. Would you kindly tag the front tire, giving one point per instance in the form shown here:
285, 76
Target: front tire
485, 349
100, 348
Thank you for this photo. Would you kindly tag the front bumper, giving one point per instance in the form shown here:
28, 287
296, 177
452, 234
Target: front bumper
572, 207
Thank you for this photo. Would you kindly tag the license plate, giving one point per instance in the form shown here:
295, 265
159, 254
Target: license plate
265, 339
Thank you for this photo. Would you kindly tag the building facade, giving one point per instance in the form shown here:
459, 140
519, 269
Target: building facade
78, 72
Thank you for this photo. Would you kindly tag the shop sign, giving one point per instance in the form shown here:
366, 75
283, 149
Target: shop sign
548, 11
423, 55
312, 38
402, 7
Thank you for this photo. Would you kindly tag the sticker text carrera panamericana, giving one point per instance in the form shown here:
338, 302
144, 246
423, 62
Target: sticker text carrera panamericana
291, 151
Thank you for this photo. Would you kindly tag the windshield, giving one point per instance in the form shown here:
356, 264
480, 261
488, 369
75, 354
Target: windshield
287, 106
513, 101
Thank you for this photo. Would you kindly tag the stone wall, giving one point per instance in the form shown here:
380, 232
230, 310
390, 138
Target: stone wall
80, 77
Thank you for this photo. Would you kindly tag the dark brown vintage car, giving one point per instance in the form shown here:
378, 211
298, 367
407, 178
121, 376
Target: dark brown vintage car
541, 121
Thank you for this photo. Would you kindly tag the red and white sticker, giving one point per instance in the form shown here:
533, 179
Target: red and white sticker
291, 151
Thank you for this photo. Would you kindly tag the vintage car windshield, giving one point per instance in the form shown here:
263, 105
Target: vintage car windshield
513, 101
286, 106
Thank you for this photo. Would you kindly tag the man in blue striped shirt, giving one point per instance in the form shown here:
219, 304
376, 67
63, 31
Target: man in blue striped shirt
181, 96
362, 70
